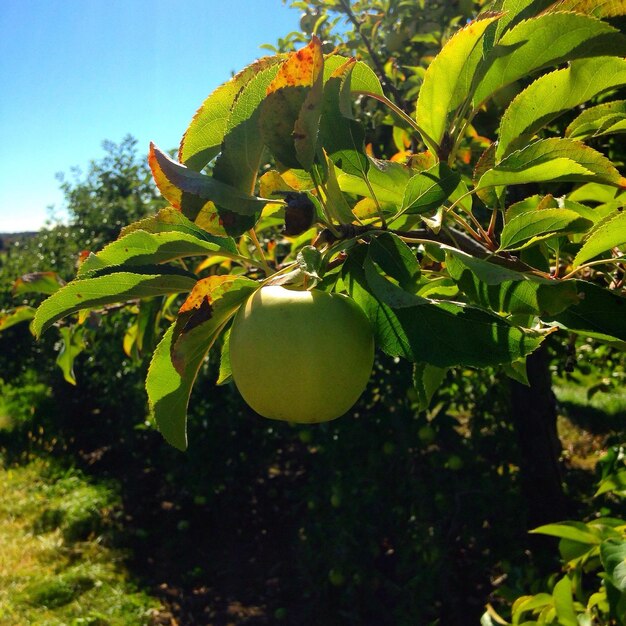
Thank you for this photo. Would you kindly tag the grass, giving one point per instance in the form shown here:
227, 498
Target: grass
56, 564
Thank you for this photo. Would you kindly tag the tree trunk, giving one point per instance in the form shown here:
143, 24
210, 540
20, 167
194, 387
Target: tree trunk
533, 410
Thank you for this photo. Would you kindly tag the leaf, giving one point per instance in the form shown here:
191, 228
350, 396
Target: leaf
547, 40
574, 531
168, 220
554, 94
442, 334
529, 228
342, 139
429, 189
72, 345
142, 248
448, 79
506, 291
552, 160
16, 316
180, 353
38, 282
599, 313
337, 206
564, 602
297, 85
225, 374
513, 12
602, 119
597, 8
385, 182
111, 288
192, 192
426, 380
242, 148
360, 78
202, 139
613, 483
613, 556
607, 235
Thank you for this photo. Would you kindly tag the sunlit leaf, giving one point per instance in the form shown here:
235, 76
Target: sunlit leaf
286, 96
448, 79
544, 41
564, 602
203, 138
574, 531
529, 228
608, 235
242, 147
552, 160
603, 119
426, 380
108, 289
72, 344
143, 248
16, 316
597, 8
429, 189
555, 93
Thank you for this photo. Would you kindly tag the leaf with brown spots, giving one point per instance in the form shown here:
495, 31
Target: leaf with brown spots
290, 116
179, 355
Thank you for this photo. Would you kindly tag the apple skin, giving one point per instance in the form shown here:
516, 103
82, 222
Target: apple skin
300, 356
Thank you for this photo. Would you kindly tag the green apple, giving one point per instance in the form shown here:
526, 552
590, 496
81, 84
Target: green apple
300, 356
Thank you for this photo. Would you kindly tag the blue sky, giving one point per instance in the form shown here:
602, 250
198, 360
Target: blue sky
76, 72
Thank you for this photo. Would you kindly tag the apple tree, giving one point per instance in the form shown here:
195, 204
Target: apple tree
448, 248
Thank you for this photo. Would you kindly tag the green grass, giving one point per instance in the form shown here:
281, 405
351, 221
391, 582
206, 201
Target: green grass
56, 567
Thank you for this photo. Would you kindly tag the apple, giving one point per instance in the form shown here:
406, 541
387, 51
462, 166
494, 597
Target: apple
300, 356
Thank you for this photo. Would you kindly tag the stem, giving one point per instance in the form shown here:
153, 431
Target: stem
257, 244
431, 144
621, 259
380, 69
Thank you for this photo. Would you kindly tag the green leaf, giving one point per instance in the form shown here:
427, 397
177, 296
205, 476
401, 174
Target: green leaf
600, 313
613, 556
529, 228
72, 345
564, 602
574, 531
606, 236
554, 94
343, 139
552, 160
16, 316
168, 220
442, 334
180, 353
142, 248
429, 189
613, 483
109, 289
603, 119
203, 138
225, 374
513, 12
360, 78
506, 291
449, 78
38, 282
397, 260
385, 182
547, 40
426, 380
242, 147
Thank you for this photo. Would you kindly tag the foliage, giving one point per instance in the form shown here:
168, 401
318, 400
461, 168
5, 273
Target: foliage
592, 587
